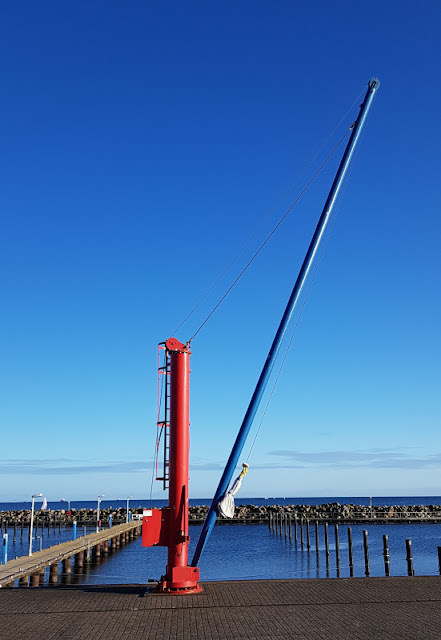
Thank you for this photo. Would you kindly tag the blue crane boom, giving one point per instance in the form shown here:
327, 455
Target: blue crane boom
272, 355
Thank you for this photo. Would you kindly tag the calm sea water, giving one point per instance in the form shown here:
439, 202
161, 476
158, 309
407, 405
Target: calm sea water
238, 552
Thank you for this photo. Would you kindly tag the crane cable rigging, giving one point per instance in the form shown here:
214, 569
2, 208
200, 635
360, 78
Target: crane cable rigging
270, 215
269, 236
245, 465
158, 438
217, 305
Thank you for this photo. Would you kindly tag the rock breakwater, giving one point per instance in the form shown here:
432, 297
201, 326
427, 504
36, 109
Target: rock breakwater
331, 512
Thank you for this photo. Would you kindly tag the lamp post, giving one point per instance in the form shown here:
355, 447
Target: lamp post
127, 509
36, 495
98, 513
68, 503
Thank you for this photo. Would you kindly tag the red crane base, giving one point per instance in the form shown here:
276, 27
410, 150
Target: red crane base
183, 580
155, 532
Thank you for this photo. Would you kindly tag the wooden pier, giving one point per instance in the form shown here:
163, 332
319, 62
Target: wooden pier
326, 609
95, 543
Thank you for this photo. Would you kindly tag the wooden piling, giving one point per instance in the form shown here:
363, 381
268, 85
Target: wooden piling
337, 548
301, 532
366, 554
351, 553
326, 542
409, 559
285, 522
23, 582
79, 559
35, 580
439, 560
317, 537
308, 537
53, 573
295, 528
105, 547
269, 521
386, 556
67, 566
290, 528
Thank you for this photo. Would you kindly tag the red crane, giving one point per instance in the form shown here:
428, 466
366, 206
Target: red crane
168, 527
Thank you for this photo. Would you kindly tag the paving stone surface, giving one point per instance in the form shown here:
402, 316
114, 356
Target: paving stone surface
363, 608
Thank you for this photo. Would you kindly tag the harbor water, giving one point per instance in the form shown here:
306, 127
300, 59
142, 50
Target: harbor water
244, 551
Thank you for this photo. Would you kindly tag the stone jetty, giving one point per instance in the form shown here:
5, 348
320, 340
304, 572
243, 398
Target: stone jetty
330, 512
249, 514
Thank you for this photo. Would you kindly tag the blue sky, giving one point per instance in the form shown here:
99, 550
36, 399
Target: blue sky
142, 146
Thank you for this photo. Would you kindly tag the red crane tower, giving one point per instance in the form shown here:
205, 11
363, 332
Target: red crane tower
168, 527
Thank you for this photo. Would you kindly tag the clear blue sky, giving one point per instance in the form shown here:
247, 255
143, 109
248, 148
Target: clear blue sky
142, 144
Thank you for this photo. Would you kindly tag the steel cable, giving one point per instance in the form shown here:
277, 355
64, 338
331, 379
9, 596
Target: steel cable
270, 235
270, 215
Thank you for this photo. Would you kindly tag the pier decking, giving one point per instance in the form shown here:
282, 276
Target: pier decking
356, 609
22, 568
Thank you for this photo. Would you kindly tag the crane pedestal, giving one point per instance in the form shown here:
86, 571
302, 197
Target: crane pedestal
168, 527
